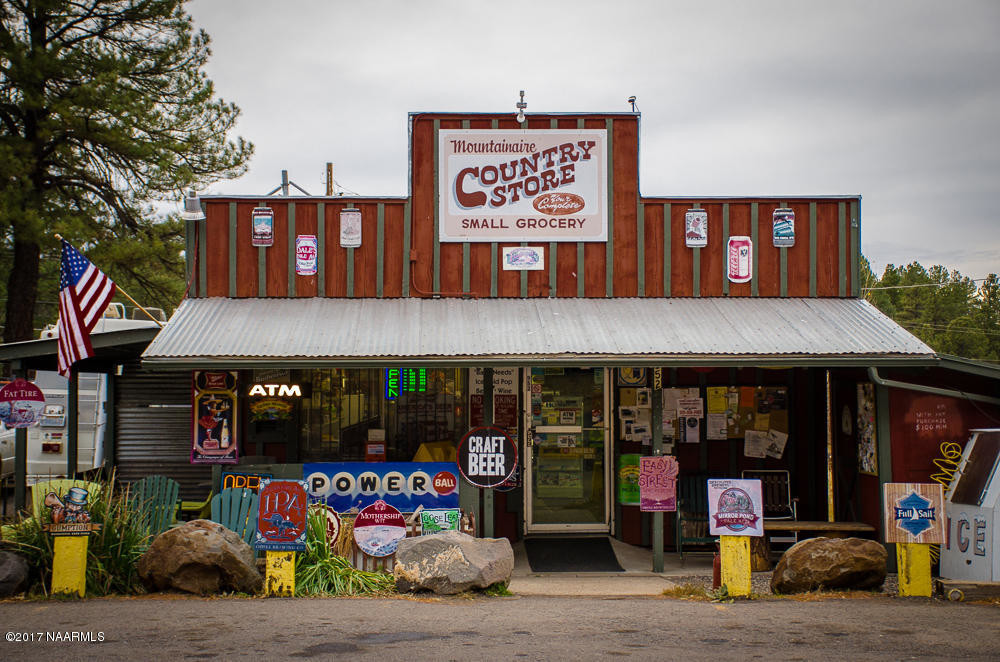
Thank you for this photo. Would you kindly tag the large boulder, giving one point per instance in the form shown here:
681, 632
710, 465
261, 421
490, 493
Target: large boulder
200, 557
452, 562
14, 572
830, 563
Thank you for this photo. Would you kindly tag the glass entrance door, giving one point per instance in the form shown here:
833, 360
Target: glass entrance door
567, 464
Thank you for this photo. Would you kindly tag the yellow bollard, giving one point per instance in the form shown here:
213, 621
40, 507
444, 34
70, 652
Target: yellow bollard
913, 561
69, 565
279, 578
735, 553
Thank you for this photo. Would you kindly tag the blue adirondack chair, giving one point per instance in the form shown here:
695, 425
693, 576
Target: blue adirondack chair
156, 498
236, 509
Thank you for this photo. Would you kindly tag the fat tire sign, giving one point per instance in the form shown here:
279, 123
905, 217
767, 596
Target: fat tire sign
487, 456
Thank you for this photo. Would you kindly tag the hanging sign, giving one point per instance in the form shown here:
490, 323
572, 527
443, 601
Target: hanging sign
487, 456
512, 185
21, 404
350, 228
306, 253
214, 418
914, 513
696, 228
262, 226
658, 483
783, 228
378, 529
281, 516
735, 507
740, 252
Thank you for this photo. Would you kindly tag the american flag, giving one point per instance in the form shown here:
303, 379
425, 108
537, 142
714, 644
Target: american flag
84, 293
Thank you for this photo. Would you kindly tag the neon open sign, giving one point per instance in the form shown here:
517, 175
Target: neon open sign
404, 380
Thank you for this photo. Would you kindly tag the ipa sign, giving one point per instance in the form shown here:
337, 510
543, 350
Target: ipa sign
523, 185
487, 456
281, 516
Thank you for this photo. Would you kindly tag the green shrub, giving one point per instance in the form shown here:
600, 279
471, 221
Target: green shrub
319, 571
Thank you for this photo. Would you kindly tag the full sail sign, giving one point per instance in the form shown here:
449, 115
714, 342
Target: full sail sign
523, 185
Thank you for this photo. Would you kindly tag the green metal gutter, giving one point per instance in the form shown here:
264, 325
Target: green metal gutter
951, 393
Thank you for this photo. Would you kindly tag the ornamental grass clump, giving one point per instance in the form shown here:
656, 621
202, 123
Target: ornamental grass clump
319, 570
112, 552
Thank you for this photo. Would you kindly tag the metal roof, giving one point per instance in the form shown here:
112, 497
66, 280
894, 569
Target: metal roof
303, 332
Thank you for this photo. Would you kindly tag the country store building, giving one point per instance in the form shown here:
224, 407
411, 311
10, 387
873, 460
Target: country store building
729, 332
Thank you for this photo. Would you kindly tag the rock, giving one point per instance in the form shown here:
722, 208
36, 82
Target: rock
200, 557
830, 563
452, 562
14, 571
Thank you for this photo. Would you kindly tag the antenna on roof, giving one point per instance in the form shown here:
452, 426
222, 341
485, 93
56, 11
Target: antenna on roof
284, 185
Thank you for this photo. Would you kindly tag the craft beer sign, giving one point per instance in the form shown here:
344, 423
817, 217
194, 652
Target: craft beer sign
523, 185
487, 456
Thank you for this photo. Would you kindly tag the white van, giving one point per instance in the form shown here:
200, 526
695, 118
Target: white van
48, 440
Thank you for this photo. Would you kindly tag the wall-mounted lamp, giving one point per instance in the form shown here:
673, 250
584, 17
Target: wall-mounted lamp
192, 207
521, 105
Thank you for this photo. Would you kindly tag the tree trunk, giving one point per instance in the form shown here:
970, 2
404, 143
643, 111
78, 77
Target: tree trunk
22, 291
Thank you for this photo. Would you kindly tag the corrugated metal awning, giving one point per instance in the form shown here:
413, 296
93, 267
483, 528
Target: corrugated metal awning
310, 332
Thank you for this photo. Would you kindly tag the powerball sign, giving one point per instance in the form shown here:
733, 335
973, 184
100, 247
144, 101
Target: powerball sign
403, 485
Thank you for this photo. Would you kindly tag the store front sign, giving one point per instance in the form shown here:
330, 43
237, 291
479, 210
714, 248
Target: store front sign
658, 483
378, 528
404, 485
21, 404
214, 431
523, 258
735, 507
523, 185
487, 456
280, 390
783, 228
740, 259
696, 228
306, 252
262, 226
914, 513
281, 516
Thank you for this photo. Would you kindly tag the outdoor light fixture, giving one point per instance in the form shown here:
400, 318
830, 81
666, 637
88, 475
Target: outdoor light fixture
631, 100
192, 207
521, 105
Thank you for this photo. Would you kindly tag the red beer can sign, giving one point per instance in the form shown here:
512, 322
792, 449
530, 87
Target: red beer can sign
740, 259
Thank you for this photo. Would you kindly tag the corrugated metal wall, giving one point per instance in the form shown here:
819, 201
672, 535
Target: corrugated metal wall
152, 422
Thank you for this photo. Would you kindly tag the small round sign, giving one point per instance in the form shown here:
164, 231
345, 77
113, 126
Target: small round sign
378, 528
332, 520
487, 456
21, 403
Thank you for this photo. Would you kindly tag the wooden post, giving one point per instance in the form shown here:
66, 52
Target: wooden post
657, 413
735, 552
913, 561
69, 565
279, 579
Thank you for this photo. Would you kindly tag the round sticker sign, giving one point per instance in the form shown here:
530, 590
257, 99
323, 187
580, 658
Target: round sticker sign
487, 456
378, 528
21, 403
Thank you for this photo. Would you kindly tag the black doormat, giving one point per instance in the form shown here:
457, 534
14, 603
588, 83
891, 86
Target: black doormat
571, 555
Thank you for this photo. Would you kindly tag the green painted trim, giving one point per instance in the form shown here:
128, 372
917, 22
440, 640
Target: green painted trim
291, 249
202, 259
465, 268
321, 247
406, 249
842, 246
232, 250
813, 223
884, 431
725, 242
524, 279
110, 429
553, 123
855, 248
609, 258
783, 252
380, 251
754, 233
73, 418
553, 281
436, 286
696, 275
640, 248
666, 249
581, 278
493, 269
262, 265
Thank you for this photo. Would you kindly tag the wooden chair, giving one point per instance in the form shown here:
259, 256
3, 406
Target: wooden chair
692, 513
60, 486
156, 497
236, 509
776, 492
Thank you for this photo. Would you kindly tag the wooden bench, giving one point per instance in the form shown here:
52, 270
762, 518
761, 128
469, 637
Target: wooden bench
760, 548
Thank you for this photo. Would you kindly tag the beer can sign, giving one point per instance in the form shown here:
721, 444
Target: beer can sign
740, 259
350, 228
262, 226
487, 456
378, 528
21, 403
696, 228
783, 228
306, 252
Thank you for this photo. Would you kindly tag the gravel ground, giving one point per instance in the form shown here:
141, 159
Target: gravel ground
760, 583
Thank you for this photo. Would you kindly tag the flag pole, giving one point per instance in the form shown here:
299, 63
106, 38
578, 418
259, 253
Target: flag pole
118, 288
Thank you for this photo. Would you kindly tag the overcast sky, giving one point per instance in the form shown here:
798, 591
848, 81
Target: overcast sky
895, 100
